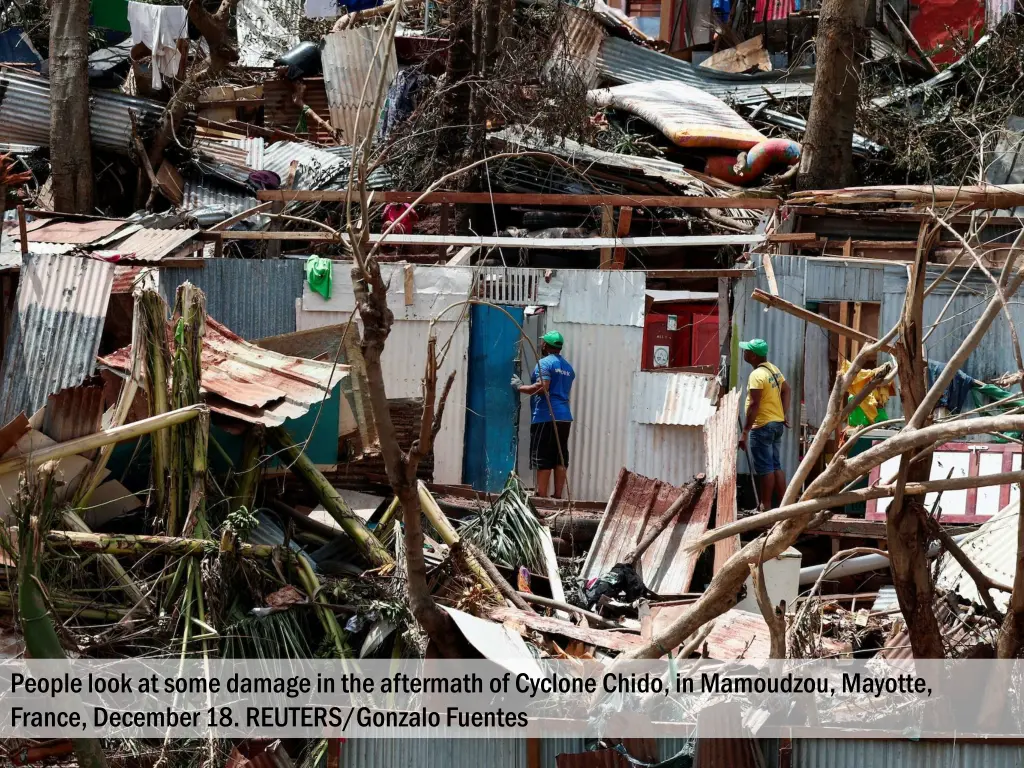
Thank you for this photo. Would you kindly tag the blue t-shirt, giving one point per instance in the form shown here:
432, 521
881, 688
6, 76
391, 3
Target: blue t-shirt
560, 375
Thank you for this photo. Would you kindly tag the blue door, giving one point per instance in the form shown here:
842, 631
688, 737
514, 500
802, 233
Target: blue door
492, 406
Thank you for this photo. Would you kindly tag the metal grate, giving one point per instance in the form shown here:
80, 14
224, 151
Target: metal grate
509, 286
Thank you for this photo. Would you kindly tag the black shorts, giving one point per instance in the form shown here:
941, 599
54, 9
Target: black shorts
544, 447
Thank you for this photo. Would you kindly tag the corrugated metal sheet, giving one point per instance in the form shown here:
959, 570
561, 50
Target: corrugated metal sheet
671, 398
435, 753
125, 277
598, 758
55, 335
250, 383
576, 53
839, 279
666, 567
843, 753
72, 232
586, 156
992, 358
404, 359
315, 167
687, 115
25, 113
155, 244
206, 194
621, 61
73, 412
783, 332
723, 717
604, 358
993, 548
862, 146
670, 453
379, 178
600, 297
736, 635
351, 61
253, 297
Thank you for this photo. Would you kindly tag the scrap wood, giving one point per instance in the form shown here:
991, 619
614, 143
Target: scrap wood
749, 54
811, 317
990, 196
613, 641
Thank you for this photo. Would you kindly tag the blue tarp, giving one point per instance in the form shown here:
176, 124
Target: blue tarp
15, 48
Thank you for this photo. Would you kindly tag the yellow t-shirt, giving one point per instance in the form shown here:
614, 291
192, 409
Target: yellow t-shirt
770, 407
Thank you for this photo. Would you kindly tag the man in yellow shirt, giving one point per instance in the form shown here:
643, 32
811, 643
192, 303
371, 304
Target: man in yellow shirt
767, 415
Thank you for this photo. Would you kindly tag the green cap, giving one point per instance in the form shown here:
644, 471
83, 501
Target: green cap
553, 339
758, 346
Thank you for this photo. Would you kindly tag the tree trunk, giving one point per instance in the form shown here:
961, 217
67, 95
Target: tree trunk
826, 158
906, 518
70, 140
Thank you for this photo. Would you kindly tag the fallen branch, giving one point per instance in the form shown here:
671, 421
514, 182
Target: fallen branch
686, 499
765, 519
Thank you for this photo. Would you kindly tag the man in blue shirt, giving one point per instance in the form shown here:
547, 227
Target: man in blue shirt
551, 380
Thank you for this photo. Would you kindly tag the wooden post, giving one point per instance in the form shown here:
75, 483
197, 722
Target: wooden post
443, 228
858, 309
607, 230
23, 230
273, 246
625, 219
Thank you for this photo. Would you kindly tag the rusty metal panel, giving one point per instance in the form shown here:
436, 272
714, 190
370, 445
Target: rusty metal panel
714, 752
74, 412
250, 383
875, 753
125, 278
352, 67
55, 335
74, 232
736, 635
666, 567
671, 398
598, 758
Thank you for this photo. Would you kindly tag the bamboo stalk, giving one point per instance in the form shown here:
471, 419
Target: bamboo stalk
67, 607
110, 564
449, 536
246, 479
326, 615
101, 438
41, 639
151, 335
131, 545
336, 507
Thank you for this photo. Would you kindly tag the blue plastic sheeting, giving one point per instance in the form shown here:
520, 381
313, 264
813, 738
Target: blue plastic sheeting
492, 406
15, 48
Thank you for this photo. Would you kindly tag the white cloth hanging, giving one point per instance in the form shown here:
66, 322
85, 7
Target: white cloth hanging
159, 27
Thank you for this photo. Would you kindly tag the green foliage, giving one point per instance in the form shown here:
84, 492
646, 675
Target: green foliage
508, 531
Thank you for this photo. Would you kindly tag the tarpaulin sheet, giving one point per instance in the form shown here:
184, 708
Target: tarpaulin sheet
686, 115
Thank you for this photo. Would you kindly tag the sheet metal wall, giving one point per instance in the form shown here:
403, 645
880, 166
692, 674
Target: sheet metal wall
435, 753
993, 357
253, 297
784, 334
670, 453
404, 358
843, 753
604, 358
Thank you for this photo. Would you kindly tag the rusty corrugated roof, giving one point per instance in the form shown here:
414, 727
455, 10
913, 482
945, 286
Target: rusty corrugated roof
73, 232
736, 635
721, 434
249, 383
678, 399
666, 567
153, 244
61, 308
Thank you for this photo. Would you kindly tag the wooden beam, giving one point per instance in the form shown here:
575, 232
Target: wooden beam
516, 198
769, 273
792, 237
805, 314
699, 274
625, 219
607, 230
615, 641
222, 225
547, 244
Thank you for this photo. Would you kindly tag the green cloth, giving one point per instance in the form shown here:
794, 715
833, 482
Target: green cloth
859, 419
111, 14
318, 274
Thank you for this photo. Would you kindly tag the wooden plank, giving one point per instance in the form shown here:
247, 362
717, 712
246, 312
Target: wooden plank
548, 244
614, 641
462, 257
858, 313
769, 273
409, 292
607, 230
516, 198
792, 237
700, 274
625, 220
811, 317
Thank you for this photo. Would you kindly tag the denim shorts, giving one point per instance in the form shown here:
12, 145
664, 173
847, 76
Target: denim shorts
764, 447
